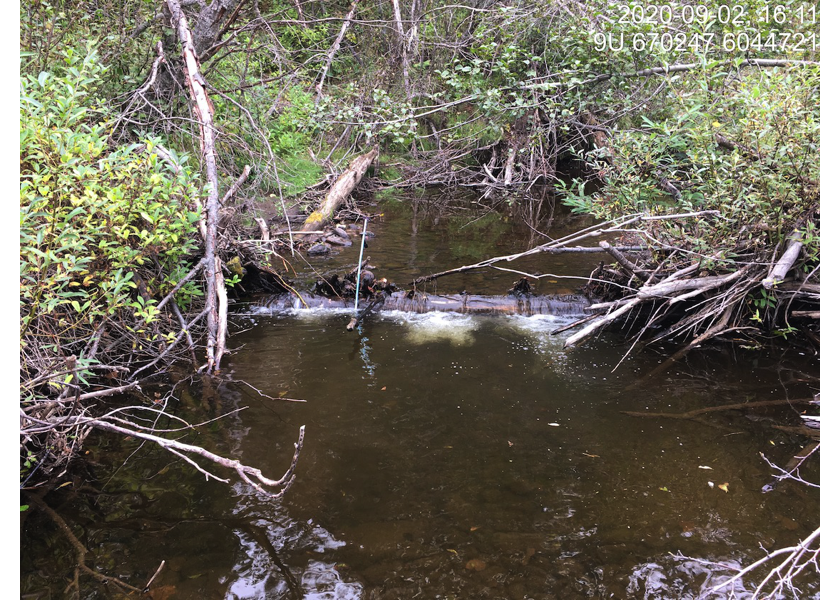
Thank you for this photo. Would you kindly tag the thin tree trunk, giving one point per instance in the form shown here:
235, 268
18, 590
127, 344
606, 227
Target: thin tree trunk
403, 43
203, 108
333, 50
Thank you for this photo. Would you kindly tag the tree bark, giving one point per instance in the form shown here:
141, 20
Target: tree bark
210, 23
341, 190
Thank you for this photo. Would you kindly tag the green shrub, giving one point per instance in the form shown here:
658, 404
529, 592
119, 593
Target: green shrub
763, 177
290, 131
93, 216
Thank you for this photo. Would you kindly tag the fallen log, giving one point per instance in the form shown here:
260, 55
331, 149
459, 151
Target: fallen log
340, 191
422, 303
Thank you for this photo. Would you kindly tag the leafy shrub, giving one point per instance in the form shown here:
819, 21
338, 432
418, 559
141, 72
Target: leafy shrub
93, 218
748, 148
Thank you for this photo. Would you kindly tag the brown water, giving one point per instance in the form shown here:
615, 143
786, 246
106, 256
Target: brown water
449, 456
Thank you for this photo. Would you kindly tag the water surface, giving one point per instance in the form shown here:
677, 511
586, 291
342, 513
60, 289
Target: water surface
449, 456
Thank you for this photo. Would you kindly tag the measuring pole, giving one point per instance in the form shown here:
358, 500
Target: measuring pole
359, 268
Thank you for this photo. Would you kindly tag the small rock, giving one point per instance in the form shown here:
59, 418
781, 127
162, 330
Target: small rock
476, 564
338, 241
318, 249
339, 231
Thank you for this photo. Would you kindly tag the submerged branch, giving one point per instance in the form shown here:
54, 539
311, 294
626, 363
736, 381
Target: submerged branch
692, 414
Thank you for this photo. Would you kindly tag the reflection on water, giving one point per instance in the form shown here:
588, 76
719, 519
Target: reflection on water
450, 456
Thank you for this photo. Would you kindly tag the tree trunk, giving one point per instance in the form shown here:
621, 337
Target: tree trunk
403, 45
203, 108
333, 49
211, 22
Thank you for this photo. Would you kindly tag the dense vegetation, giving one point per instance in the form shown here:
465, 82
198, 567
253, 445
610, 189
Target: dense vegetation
710, 113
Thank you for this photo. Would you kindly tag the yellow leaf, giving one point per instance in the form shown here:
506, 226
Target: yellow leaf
473, 528
455, 552
724, 487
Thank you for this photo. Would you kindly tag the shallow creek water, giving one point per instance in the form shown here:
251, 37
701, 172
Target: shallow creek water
450, 456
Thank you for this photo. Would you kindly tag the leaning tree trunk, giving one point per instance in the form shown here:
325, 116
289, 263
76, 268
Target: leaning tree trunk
203, 109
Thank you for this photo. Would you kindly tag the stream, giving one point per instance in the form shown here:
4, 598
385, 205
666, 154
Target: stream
450, 455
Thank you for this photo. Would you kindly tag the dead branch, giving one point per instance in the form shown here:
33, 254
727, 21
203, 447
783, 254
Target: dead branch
594, 249
601, 323
791, 469
236, 185
785, 571
179, 285
779, 271
625, 263
614, 226
250, 475
666, 288
575, 324
159, 569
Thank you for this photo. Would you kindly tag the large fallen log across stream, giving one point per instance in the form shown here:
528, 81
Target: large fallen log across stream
526, 304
